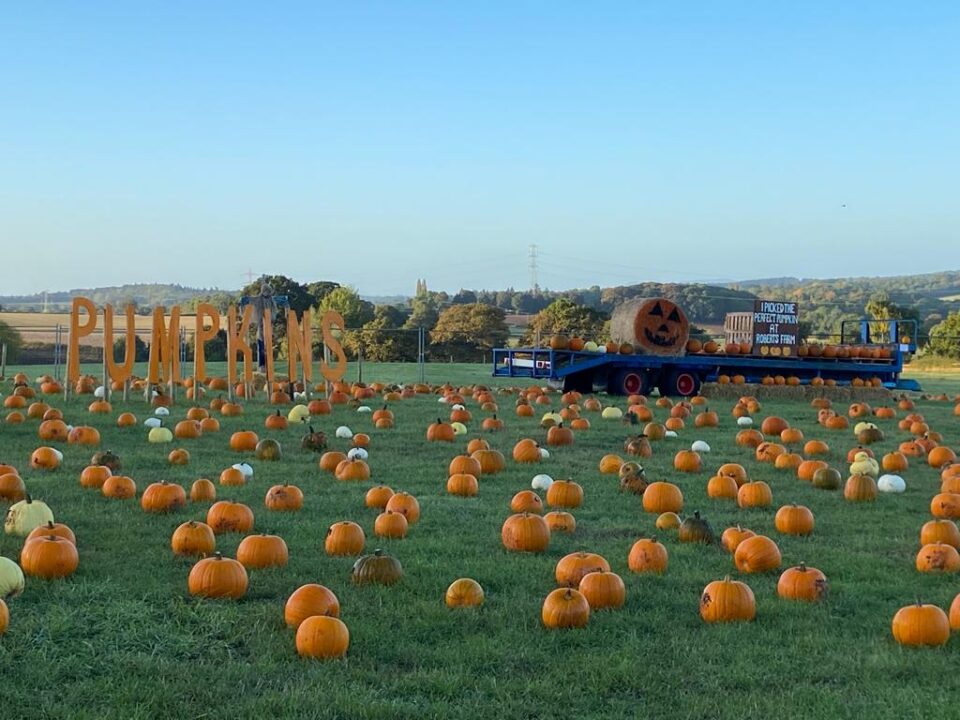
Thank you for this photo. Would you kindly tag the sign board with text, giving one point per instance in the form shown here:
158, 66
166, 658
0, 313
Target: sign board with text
776, 328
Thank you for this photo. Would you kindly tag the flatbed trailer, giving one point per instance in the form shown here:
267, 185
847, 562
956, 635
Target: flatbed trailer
682, 375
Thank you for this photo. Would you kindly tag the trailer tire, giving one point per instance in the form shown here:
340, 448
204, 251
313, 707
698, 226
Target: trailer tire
629, 382
680, 383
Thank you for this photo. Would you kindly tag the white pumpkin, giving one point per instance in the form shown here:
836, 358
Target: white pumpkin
364, 409
344, 432
556, 417
298, 413
245, 468
357, 452
26, 515
671, 434
744, 422
11, 578
459, 428
611, 413
59, 455
161, 412
458, 406
152, 422
891, 484
863, 425
700, 446
590, 346
544, 454
160, 435
541, 482
99, 392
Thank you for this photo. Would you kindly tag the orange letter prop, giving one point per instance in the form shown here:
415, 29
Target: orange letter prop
78, 331
299, 345
332, 374
268, 348
165, 346
201, 335
237, 342
120, 373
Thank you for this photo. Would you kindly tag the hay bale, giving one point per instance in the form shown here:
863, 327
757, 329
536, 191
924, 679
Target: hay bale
653, 326
805, 393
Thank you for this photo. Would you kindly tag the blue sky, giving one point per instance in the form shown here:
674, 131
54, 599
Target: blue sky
376, 142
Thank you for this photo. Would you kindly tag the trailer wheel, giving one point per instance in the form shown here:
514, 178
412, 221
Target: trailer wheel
629, 382
682, 383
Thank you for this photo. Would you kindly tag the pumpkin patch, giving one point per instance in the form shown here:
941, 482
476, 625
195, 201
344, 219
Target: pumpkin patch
523, 528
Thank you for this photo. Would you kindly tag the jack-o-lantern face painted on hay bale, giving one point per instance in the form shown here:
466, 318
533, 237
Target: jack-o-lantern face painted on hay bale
655, 326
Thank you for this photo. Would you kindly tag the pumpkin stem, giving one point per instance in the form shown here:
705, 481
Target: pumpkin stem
217, 556
28, 499
803, 566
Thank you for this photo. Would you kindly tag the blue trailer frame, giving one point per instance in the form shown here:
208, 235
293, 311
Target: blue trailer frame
683, 375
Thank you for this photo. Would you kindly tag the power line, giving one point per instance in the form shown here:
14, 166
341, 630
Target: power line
534, 286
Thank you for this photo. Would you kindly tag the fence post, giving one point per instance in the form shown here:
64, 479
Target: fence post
3, 361
56, 352
326, 359
66, 379
421, 352
106, 375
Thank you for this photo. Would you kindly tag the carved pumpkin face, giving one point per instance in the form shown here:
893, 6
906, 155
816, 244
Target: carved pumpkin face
661, 325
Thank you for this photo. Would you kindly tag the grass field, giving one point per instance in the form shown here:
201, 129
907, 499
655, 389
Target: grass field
122, 638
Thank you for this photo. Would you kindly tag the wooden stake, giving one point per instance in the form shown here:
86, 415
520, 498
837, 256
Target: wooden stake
106, 374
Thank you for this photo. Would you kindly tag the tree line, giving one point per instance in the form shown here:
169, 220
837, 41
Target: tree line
464, 326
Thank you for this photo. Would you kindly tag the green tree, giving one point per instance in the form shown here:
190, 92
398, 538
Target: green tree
298, 297
881, 308
424, 311
464, 297
10, 337
945, 337
465, 331
220, 299
319, 289
214, 350
383, 339
355, 311
141, 351
564, 316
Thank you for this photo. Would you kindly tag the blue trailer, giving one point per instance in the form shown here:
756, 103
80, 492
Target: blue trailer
683, 375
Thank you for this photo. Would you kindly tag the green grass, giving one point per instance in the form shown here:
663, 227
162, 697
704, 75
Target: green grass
123, 639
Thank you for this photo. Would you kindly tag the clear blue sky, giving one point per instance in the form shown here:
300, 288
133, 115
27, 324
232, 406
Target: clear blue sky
374, 143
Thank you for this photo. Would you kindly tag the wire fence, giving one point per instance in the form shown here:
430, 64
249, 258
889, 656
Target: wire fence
48, 348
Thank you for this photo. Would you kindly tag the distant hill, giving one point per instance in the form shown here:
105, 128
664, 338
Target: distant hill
906, 287
386, 299
824, 303
145, 294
